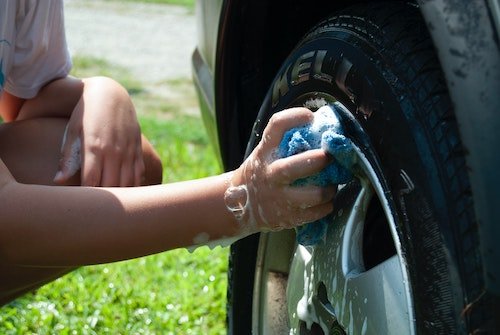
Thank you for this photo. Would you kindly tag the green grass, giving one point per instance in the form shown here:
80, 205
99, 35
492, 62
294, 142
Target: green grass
170, 293
174, 292
182, 145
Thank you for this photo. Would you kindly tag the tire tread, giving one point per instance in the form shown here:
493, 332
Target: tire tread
402, 39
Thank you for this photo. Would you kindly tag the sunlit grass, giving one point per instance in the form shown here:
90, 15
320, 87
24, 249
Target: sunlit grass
175, 292
170, 293
182, 144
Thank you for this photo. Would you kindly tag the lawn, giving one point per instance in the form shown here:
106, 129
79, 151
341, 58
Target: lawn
175, 292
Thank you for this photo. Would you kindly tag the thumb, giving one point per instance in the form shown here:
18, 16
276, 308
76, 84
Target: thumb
70, 162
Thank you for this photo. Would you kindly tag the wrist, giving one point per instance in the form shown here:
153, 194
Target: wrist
237, 201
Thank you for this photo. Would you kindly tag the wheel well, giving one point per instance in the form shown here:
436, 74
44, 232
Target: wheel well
255, 38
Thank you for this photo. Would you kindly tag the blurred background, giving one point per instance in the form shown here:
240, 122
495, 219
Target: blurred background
146, 45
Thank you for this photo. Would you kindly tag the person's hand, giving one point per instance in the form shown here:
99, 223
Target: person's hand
261, 194
103, 138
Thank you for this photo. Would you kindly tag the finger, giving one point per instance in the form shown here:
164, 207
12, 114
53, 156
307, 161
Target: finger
127, 173
285, 120
299, 166
111, 171
139, 170
91, 169
127, 176
309, 196
312, 214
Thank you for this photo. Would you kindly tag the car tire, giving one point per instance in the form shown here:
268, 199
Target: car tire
378, 63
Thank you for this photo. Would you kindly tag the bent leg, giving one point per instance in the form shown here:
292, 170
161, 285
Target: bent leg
31, 151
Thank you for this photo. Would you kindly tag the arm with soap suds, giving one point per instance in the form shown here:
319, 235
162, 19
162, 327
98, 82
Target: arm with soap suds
73, 226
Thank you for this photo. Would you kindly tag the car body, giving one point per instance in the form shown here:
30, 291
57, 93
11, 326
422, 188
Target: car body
242, 44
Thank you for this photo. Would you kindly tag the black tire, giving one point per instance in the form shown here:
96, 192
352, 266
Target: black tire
379, 62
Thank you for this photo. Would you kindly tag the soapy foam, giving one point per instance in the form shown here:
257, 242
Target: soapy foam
73, 163
237, 200
203, 240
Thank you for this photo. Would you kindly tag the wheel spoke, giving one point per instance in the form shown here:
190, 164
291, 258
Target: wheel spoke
376, 300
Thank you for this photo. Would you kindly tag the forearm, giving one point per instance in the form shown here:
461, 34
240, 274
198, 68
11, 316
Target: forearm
59, 97
71, 226
56, 99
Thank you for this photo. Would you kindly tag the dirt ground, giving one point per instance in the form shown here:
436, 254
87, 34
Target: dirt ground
154, 41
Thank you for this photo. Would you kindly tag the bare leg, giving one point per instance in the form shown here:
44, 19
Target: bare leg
31, 151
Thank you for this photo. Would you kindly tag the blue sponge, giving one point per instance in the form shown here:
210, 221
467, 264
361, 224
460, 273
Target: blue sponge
324, 132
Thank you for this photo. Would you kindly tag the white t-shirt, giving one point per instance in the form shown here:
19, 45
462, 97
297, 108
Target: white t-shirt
33, 49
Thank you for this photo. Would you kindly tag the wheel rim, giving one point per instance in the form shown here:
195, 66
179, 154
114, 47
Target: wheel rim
345, 285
